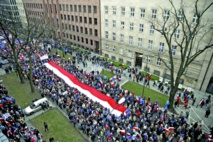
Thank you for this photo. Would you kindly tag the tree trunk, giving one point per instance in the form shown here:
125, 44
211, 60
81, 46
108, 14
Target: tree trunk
171, 100
18, 68
30, 75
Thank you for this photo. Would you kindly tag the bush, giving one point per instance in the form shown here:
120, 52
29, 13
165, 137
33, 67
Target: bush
144, 73
117, 64
124, 66
154, 77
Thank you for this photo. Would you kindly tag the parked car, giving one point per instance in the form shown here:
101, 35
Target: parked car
37, 105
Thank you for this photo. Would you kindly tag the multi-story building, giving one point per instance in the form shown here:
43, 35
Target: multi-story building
77, 21
17, 10
128, 36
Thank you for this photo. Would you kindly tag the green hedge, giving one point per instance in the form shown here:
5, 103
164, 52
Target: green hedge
124, 66
117, 64
154, 77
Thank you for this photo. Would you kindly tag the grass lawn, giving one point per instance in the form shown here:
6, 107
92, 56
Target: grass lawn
107, 73
53, 51
21, 92
137, 88
59, 127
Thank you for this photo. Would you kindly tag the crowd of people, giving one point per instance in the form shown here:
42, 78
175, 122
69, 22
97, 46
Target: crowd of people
143, 121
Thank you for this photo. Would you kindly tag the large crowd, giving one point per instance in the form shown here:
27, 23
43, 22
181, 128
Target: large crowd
143, 120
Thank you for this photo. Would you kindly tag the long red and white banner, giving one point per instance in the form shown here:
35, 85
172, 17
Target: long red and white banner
90, 92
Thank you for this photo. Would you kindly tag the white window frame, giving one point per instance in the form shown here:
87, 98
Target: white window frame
122, 24
113, 48
106, 22
106, 46
122, 38
141, 26
174, 48
180, 15
106, 34
113, 23
131, 26
148, 59
154, 13
122, 11
177, 34
114, 10
130, 40
161, 47
106, 9
113, 36
150, 44
195, 18
140, 42
166, 14
142, 15
158, 62
132, 11
151, 32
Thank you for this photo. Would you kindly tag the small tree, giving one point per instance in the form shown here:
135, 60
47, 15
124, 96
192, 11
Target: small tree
197, 36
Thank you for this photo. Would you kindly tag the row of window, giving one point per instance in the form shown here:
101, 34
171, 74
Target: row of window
34, 13
142, 13
78, 8
80, 19
79, 39
150, 43
34, 5
80, 29
140, 29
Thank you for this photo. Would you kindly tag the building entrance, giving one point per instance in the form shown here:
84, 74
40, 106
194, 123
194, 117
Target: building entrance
138, 59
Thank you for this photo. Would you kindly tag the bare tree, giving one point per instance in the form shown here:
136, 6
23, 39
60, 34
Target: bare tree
196, 36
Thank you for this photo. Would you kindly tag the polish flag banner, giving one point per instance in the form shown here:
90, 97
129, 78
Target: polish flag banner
123, 132
90, 92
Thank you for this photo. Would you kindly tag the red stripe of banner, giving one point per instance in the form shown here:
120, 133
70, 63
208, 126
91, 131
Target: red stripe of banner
93, 91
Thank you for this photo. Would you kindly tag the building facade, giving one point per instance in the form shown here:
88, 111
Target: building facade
128, 36
77, 21
17, 9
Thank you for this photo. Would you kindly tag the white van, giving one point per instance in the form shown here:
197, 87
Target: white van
36, 106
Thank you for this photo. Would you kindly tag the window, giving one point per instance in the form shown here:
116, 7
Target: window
106, 22
79, 8
139, 42
128, 63
95, 9
122, 25
73, 27
121, 60
76, 18
82, 40
195, 18
148, 59
180, 15
152, 29
113, 23
86, 32
95, 21
70, 27
158, 61
113, 48
166, 14
63, 7
106, 34
177, 33
72, 17
142, 13
68, 17
71, 9
154, 13
85, 19
86, 40
70, 36
106, 46
59, 7
77, 30
96, 32
114, 10
113, 57
121, 51
132, 11
113, 36
130, 40
90, 31
131, 26
75, 8
67, 7
122, 38
140, 27
81, 28
150, 43
90, 20
91, 42
106, 9
85, 8
122, 11
174, 47
161, 47
89, 9
80, 19
61, 16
